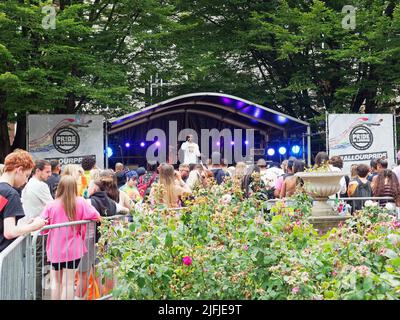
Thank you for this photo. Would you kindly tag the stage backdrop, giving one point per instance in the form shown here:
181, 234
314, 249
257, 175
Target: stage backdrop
358, 138
67, 138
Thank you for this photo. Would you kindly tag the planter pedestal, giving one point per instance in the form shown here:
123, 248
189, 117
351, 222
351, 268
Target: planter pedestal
321, 185
325, 223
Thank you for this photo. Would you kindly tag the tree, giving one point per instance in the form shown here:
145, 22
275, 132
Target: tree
85, 64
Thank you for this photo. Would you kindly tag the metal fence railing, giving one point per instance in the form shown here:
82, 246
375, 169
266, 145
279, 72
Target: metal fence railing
64, 259
16, 270
56, 262
350, 200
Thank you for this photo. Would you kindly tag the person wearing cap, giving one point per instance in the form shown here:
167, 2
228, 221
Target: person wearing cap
267, 177
396, 169
130, 187
140, 171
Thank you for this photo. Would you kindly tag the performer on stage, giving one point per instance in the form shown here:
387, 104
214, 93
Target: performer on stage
191, 150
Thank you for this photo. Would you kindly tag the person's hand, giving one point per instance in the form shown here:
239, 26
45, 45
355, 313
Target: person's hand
178, 175
38, 223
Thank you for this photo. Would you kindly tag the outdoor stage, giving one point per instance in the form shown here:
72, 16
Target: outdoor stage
276, 136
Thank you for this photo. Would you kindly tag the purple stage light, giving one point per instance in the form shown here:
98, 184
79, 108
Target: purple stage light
240, 104
158, 144
127, 144
218, 143
246, 142
232, 143
226, 100
142, 144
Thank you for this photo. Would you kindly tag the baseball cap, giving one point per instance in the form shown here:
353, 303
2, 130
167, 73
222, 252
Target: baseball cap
131, 175
140, 171
261, 163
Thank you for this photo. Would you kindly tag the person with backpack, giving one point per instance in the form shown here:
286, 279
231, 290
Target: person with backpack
360, 187
147, 179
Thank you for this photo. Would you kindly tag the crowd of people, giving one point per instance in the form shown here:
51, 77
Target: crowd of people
34, 194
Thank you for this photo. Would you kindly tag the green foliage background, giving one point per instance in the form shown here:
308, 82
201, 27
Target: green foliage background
293, 56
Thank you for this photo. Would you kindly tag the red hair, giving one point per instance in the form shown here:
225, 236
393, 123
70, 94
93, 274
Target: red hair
18, 158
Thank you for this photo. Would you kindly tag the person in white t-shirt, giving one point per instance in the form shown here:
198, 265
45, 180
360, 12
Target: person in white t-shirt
35, 196
191, 150
396, 169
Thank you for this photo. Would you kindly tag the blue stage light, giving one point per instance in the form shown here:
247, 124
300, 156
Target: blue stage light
246, 142
282, 150
109, 152
142, 144
127, 144
296, 149
282, 119
271, 151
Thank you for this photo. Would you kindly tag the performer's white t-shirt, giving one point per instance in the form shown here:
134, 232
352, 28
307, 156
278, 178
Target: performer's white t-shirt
191, 152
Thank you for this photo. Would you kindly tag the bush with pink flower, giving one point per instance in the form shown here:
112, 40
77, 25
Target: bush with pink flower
238, 249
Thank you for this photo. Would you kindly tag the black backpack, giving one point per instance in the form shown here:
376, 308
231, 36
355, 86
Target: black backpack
362, 190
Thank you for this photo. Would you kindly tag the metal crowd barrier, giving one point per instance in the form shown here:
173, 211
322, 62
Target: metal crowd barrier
61, 270
16, 270
381, 200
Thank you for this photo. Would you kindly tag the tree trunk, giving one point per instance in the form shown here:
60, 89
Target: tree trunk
20, 136
5, 148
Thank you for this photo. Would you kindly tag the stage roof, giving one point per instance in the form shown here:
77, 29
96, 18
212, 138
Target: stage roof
222, 106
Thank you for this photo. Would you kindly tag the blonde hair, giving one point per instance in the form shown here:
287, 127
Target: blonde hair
240, 169
167, 179
72, 170
67, 191
94, 174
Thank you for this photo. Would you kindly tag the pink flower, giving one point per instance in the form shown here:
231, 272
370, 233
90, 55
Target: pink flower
295, 290
245, 247
396, 224
334, 273
298, 222
187, 260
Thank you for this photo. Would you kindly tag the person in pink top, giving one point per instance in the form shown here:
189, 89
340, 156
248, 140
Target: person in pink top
66, 245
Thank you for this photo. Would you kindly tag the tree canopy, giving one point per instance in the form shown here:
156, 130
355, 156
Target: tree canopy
290, 55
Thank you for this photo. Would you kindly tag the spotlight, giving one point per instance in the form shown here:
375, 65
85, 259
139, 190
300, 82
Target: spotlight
109, 152
158, 144
282, 119
232, 143
127, 144
296, 149
246, 142
142, 144
271, 151
240, 104
226, 100
218, 143
282, 150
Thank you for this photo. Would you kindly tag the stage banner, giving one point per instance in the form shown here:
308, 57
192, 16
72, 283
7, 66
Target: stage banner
358, 138
67, 138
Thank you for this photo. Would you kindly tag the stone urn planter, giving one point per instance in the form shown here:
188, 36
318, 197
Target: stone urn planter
321, 185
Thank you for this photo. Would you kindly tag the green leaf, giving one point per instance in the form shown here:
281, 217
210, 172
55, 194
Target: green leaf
168, 240
395, 262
